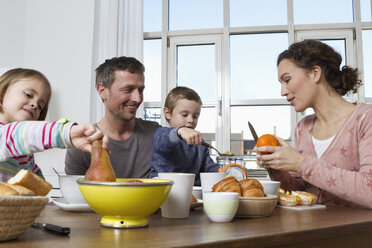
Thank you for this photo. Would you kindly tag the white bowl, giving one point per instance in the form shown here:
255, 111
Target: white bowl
70, 189
220, 206
197, 192
270, 187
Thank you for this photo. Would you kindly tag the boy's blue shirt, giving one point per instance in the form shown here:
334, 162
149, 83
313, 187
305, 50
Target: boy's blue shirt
172, 154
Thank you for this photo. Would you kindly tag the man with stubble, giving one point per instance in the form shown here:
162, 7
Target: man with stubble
120, 83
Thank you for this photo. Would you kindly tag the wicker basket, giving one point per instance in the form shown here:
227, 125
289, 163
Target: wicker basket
17, 213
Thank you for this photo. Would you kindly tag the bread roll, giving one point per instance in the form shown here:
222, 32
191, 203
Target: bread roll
288, 200
228, 184
251, 188
305, 197
5, 189
31, 181
21, 190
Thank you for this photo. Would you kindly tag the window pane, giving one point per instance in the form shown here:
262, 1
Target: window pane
365, 9
339, 46
320, 11
196, 69
195, 14
152, 63
264, 119
258, 12
367, 61
152, 11
153, 114
253, 65
207, 125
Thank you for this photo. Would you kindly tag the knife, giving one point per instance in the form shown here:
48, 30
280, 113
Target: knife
254, 134
54, 228
255, 137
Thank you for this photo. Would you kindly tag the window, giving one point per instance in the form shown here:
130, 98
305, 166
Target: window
195, 14
234, 69
365, 8
250, 13
367, 56
320, 11
152, 13
152, 63
253, 65
196, 69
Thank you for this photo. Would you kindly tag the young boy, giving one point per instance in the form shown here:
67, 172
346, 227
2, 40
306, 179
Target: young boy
178, 148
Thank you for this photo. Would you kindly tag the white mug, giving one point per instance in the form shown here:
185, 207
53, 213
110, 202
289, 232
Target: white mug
177, 204
209, 179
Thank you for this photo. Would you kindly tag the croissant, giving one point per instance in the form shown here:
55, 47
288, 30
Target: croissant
228, 184
251, 188
245, 188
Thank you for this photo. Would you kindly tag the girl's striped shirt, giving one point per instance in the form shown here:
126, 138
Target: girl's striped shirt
19, 140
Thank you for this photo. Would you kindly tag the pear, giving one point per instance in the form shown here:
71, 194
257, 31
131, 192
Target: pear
100, 168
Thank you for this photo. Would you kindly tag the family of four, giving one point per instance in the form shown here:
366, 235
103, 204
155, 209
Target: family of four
332, 156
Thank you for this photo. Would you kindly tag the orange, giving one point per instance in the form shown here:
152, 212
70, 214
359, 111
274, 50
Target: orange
267, 140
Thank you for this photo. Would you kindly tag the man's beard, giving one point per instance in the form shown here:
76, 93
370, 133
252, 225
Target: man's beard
122, 115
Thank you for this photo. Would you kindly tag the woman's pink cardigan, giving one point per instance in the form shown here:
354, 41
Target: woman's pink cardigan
342, 176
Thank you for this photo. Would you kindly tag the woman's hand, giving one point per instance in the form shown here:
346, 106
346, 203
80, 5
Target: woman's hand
282, 157
83, 135
191, 136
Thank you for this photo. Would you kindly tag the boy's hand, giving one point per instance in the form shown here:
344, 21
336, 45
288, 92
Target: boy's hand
82, 136
191, 136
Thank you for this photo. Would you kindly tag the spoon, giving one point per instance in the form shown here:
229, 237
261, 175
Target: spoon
211, 147
219, 154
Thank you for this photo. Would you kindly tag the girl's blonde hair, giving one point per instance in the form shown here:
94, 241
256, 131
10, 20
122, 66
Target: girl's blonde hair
12, 76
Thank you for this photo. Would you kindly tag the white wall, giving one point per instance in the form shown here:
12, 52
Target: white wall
56, 38
12, 32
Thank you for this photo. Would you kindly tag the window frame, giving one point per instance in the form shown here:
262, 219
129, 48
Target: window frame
355, 27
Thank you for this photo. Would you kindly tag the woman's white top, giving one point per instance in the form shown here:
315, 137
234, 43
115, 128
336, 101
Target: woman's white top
321, 145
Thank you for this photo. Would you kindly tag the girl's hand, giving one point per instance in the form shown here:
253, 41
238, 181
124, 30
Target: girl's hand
282, 157
82, 136
191, 136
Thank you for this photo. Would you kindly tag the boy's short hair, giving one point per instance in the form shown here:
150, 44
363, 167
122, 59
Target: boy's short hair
105, 73
178, 93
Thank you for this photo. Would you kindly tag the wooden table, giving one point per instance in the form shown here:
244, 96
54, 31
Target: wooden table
330, 227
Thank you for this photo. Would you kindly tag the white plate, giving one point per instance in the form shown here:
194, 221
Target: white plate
300, 208
61, 203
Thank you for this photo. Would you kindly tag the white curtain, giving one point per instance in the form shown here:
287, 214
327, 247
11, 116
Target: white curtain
118, 31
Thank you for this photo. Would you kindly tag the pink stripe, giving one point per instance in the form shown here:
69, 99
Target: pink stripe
37, 169
23, 156
50, 134
11, 138
43, 138
23, 163
6, 141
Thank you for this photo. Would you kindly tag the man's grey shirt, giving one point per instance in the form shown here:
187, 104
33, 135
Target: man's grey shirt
129, 158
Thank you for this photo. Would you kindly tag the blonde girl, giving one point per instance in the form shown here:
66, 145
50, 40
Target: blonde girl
24, 100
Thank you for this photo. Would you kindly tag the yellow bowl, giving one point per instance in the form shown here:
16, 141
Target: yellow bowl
124, 204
